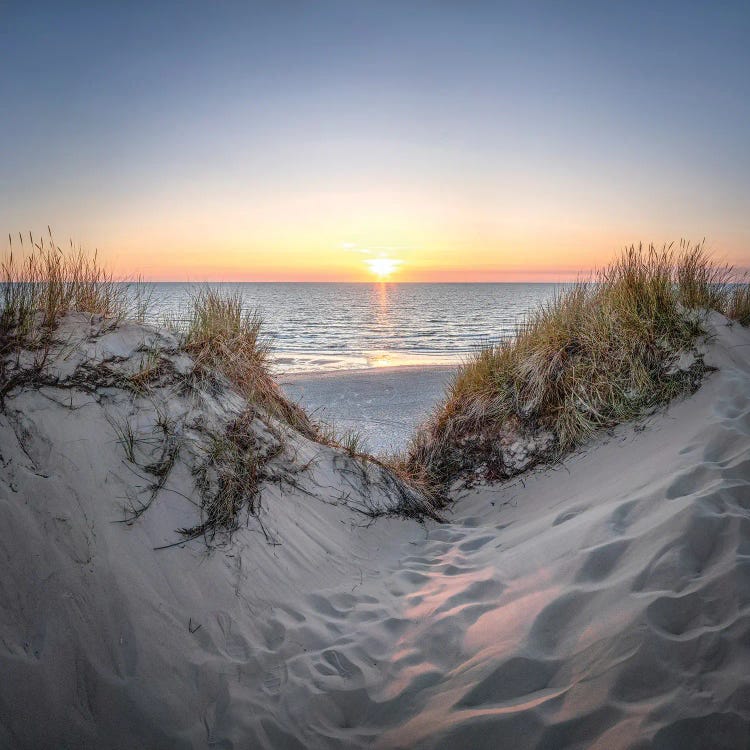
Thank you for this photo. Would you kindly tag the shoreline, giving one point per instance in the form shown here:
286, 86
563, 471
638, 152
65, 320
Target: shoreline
293, 377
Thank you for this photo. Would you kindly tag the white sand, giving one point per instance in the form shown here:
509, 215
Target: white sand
605, 604
383, 404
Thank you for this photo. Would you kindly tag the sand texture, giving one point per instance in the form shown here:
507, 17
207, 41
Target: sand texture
602, 603
383, 404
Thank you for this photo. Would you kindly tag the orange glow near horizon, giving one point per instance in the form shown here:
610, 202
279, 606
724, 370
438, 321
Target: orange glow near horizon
393, 247
336, 235
319, 264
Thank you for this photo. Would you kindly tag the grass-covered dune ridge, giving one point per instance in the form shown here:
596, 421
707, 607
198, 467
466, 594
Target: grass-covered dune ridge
40, 282
199, 399
222, 334
601, 353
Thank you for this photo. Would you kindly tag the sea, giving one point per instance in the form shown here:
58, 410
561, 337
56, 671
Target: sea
339, 326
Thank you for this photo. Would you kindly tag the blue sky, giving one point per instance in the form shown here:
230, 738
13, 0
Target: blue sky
255, 139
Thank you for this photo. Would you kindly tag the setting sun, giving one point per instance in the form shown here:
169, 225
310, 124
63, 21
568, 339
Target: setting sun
382, 267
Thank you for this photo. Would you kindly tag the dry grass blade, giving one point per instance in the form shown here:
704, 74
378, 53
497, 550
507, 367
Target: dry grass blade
41, 282
223, 335
229, 478
738, 303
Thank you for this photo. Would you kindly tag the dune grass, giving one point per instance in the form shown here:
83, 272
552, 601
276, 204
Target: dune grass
350, 440
737, 304
222, 334
40, 282
599, 354
229, 478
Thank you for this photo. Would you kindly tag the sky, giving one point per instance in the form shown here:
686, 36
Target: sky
424, 141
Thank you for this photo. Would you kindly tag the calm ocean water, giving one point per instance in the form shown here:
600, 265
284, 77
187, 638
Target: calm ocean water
338, 326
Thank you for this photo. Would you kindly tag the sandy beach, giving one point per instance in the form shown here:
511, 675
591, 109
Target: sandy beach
384, 404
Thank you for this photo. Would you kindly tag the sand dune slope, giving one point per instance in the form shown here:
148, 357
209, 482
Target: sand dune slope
605, 604
602, 604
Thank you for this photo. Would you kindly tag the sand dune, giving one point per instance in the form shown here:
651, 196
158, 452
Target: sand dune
604, 603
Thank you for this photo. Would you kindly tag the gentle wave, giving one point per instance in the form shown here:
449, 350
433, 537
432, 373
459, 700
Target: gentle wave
328, 326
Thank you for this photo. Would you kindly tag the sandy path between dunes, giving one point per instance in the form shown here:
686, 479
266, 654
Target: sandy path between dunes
602, 604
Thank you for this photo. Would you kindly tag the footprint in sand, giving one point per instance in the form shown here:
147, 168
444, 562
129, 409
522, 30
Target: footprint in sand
690, 481
513, 679
472, 545
568, 515
275, 678
619, 521
559, 618
274, 634
601, 561
335, 663
719, 731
